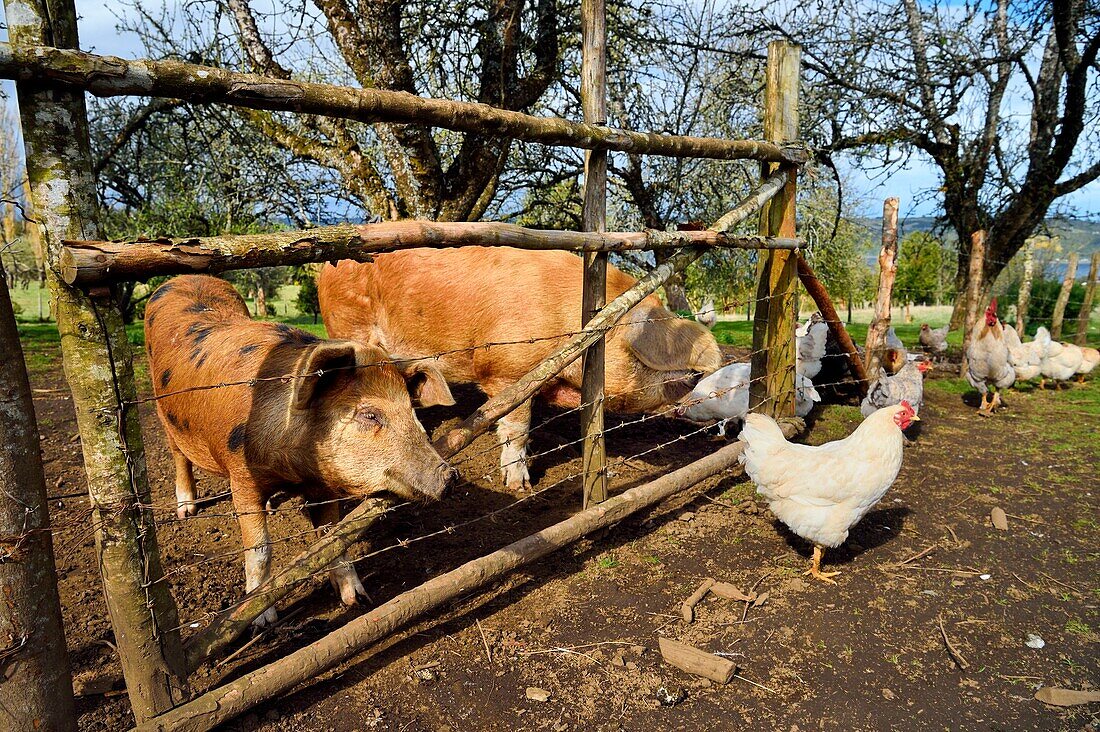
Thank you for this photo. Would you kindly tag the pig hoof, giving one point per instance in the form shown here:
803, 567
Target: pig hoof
184, 510
350, 589
517, 478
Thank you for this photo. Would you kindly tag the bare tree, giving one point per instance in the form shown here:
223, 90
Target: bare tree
1001, 96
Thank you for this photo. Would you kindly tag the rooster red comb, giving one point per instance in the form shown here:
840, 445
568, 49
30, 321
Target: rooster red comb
992, 306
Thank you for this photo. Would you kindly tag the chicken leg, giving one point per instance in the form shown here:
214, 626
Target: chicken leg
815, 568
984, 409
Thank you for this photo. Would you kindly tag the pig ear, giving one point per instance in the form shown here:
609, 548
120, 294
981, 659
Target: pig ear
327, 364
427, 387
668, 343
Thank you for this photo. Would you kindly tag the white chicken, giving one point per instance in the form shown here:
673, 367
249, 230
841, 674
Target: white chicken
934, 340
987, 361
822, 492
1060, 361
1024, 357
707, 315
1090, 357
723, 397
907, 385
810, 338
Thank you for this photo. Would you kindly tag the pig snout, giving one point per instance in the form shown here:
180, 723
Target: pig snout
424, 482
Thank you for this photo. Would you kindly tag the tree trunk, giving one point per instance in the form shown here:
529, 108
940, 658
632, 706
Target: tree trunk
1024, 297
36, 687
261, 302
887, 272
973, 295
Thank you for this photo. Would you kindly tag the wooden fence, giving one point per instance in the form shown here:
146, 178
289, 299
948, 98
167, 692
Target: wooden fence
52, 76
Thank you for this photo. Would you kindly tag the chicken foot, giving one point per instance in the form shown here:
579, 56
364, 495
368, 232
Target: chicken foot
815, 569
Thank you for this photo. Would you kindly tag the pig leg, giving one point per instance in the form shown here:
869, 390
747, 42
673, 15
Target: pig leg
257, 545
185, 482
512, 433
341, 573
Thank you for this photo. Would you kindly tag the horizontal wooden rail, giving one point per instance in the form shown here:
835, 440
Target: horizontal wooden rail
306, 664
92, 263
110, 76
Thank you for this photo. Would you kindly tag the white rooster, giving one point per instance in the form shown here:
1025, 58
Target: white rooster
723, 397
822, 492
1060, 360
987, 363
1090, 357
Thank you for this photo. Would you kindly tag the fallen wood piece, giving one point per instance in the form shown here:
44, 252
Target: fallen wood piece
760, 599
305, 665
1066, 697
999, 519
697, 662
956, 656
687, 609
921, 555
730, 592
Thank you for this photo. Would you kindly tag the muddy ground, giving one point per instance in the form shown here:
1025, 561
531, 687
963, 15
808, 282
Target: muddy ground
583, 625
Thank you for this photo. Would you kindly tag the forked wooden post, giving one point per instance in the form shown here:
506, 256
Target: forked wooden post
594, 218
771, 390
1086, 306
887, 273
1063, 297
973, 293
98, 367
1025, 287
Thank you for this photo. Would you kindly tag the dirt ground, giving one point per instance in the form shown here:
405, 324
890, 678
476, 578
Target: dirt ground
584, 624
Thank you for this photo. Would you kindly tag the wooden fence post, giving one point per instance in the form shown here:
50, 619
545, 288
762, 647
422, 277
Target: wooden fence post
973, 293
1086, 306
1063, 298
36, 686
887, 272
1024, 296
594, 218
771, 387
99, 370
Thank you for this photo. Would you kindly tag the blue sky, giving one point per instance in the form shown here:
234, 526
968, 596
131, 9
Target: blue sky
911, 184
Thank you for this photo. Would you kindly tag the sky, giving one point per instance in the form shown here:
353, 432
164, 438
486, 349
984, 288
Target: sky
911, 183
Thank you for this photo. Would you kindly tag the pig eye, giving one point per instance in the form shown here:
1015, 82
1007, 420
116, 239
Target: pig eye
369, 418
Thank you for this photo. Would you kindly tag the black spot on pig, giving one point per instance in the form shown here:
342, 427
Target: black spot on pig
199, 332
294, 336
249, 349
201, 361
236, 438
165, 377
161, 292
196, 355
198, 307
172, 419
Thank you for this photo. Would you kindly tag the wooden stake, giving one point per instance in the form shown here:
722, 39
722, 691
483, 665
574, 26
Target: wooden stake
887, 272
1063, 298
36, 687
973, 305
771, 388
697, 662
1086, 306
98, 366
594, 218
824, 303
1025, 287
306, 664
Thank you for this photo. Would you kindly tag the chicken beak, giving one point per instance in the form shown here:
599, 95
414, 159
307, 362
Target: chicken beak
914, 418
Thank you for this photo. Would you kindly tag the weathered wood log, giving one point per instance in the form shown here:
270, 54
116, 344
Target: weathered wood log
36, 688
92, 263
1063, 298
99, 369
887, 273
110, 76
771, 386
594, 218
697, 662
530, 384
973, 295
306, 664
824, 303
1086, 305
314, 560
